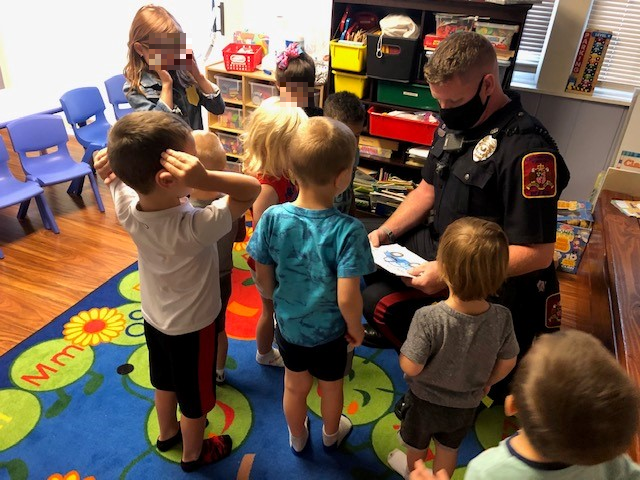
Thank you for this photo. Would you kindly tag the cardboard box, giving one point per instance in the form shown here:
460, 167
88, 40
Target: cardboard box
572, 234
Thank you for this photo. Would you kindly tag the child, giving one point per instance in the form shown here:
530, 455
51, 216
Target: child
150, 169
212, 155
578, 411
162, 73
296, 78
310, 257
348, 109
266, 140
457, 348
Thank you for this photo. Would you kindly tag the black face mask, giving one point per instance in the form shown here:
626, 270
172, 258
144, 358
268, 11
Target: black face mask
465, 116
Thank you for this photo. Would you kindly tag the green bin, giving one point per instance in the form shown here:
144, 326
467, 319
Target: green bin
407, 95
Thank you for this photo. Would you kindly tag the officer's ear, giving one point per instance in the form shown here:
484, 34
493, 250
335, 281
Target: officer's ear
489, 84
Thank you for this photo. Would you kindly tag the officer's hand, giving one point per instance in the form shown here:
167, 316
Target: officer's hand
378, 237
427, 278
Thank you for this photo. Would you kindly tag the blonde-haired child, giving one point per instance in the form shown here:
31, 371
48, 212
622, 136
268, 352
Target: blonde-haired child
310, 258
456, 349
212, 155
266, 142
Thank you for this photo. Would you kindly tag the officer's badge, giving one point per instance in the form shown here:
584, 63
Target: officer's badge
539, 175
484, 148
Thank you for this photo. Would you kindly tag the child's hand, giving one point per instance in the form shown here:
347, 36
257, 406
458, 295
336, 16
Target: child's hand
422, 473
184, 167
165, 77
355, 335
101, 164
192, 65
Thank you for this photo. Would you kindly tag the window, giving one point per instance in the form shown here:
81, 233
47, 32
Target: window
534, 35
621, 66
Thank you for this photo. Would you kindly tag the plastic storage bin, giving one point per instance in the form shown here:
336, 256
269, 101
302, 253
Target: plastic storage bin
349, 56
231, 143
350, 82
447, 23
230, 88
241, 57
231, 118
406, 95
383, 125
500, 35
261, 91
398, 59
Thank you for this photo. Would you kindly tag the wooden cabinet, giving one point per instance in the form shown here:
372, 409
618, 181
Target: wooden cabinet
242, 92
423, 13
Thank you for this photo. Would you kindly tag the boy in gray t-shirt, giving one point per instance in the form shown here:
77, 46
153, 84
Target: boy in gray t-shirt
458, 348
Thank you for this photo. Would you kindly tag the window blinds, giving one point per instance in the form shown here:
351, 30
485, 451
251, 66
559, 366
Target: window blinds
621, 65
534, 33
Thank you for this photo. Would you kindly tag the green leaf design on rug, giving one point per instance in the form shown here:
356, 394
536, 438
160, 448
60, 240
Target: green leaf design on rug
367, 393
19, 414
133, 333
492, 426
51, 365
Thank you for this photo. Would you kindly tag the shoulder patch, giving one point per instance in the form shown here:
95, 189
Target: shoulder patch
539, 175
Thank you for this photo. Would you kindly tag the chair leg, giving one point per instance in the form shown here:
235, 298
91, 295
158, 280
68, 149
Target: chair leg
75, 188
96, 192
46, 214
22, 211
1, 254
76, 184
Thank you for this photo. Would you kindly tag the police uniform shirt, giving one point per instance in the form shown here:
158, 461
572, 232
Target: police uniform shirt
515, 181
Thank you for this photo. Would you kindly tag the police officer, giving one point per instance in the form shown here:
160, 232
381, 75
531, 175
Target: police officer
494, 161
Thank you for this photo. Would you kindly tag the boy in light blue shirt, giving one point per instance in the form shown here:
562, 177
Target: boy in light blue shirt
579, 413
310, 257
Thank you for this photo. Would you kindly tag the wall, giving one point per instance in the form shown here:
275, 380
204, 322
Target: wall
586, 133
52, 47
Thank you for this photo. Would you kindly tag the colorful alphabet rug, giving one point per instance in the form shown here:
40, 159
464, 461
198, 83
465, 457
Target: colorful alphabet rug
76, 402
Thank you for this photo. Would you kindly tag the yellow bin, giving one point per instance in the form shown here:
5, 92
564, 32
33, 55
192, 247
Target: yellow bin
348, 56
350, 82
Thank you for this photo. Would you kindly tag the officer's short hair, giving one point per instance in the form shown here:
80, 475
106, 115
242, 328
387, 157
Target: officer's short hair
136, 142
459, 55
320, 150
473, 256
574, 401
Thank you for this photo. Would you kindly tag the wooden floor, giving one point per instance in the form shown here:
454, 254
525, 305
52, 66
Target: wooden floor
43, 274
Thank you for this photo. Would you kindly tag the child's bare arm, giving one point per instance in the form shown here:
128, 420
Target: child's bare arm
266, 278
500, 370
267, 198
242, 189
410, 367
350, 305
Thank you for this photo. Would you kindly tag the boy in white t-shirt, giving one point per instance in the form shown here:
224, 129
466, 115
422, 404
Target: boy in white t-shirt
151, 167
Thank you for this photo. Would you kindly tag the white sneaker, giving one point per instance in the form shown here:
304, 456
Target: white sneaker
397, 460
271, 359
220, 377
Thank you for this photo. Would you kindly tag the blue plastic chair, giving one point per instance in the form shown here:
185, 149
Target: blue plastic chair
37, 134
115, 93
80, 105
13, 191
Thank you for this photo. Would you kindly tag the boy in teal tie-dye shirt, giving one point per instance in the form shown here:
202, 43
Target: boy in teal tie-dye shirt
311, 257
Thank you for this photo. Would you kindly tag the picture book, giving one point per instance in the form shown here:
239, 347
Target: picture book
396, 259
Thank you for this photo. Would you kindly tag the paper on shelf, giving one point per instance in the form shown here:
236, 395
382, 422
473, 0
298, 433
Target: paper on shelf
396, 259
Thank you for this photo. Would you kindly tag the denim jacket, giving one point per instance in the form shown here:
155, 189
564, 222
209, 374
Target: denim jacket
186, 101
